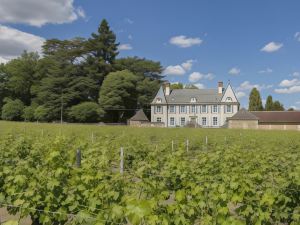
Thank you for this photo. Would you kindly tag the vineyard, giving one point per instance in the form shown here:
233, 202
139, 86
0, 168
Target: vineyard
149, 176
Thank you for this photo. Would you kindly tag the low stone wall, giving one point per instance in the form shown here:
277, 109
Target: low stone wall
145, 124
253, 124
243, 124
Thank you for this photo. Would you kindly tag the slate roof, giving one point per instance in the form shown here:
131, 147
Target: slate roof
278, 117
201, 95
244, 114
139, 116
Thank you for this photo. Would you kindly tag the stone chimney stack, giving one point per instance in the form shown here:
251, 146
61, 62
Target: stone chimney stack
167, 88
220, 87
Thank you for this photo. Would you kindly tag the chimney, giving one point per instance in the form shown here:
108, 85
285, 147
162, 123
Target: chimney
220, 87
167, 88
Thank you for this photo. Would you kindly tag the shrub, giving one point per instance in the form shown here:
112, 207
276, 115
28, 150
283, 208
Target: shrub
41, 113
28, 113
12, 110
86, 112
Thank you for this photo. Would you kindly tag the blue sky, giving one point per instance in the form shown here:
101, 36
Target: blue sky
251, 43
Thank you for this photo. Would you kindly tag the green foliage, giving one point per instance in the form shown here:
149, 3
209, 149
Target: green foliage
22, 75
255, 103
86, 112
12, 110
277, 106
28, 114
253, 178
41, 113
118, 92
269, 104
177, 86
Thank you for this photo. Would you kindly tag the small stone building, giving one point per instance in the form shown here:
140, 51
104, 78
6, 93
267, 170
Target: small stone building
265, 120
139, 119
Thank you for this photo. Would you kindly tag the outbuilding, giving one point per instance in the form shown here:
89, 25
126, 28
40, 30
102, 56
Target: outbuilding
139, 119
265, 120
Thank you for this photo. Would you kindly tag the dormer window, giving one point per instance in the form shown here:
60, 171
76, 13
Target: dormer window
228, 99
158, 100
193, 100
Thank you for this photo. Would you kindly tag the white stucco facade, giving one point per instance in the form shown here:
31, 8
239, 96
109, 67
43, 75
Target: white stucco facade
194, 110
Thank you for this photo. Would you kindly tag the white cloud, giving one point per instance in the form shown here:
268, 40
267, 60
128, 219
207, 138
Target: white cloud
13, 42
246, 86
267, 70
130, 37
234, 71
38, 13
289, 83
179, 69
289, 90
272, 47
188, 64
125, 47
240, 94
200, 86
298, 103
3, 60
297, 36
185, 42
174, 70
196, 76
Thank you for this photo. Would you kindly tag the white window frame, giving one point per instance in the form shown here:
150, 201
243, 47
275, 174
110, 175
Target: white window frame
182, 107
215, 121
158, 100
193, 109
215, 109
204, 107
158, 109
173, 107
172, 121
193, 99
204, 121
158, 120
182, 121
228, 99
228, 107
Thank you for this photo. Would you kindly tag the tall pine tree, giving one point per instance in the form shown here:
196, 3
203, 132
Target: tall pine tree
269, 103
101, 50
255, 103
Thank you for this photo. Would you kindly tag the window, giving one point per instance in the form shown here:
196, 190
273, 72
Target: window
172, 109
193, 109
158, 100
228, 99
215, 108
215, 121
182, 121
182, 109
228, 108
158, 109
158, 119
204, 109
193, 99
204, 121
172, 121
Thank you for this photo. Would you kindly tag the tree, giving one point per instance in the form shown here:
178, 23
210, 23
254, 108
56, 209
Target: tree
291, 109
28, 113
86, 112
190, 86
22, 75
255, 103
177, 86
277, 106
41, 113
269, 104
3, 84
101, 50
149, 77
118, 96
12, 110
